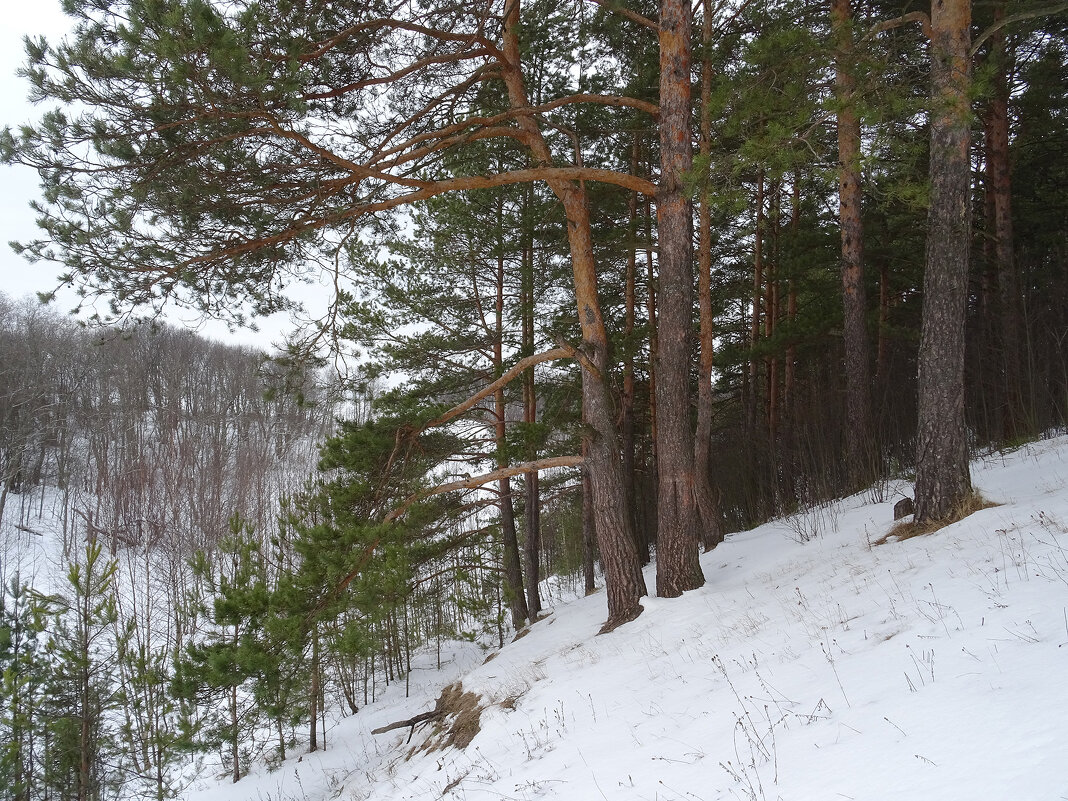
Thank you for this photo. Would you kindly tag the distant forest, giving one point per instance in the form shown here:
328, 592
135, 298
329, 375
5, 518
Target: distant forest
607, 281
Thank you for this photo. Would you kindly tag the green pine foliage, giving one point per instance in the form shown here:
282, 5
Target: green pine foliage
83, 758
218, 671
23, 675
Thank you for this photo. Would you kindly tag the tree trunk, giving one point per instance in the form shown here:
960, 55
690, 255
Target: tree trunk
513, 575
532, 552
677, 565
999, 187
530, 416
630, 295
881, 353
789, 371
758, 302
854, 297
313, 695
942, 477
648, 533
589, 535
771, 322
235, 740
624, 582
711, 522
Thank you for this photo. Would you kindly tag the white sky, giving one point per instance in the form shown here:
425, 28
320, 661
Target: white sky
19, 185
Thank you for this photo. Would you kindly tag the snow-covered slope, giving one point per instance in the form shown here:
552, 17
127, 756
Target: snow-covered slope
933, 668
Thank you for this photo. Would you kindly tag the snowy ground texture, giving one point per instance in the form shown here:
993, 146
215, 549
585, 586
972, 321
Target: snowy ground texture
933, 668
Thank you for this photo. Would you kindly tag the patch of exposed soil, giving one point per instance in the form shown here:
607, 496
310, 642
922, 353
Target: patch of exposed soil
457, 715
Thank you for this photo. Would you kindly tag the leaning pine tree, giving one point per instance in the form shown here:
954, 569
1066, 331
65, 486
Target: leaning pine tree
215, 152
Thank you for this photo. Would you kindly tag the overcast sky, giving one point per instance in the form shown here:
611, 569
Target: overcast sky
19, 185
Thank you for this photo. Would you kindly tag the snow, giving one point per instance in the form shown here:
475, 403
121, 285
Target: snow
932, 668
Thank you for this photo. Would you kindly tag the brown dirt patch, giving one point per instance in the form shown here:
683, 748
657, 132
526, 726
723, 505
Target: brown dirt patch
456, 722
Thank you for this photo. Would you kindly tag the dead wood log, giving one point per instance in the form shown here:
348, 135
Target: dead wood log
425, 717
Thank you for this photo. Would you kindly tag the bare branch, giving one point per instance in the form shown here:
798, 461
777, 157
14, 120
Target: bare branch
477, 481
425, 717
429, 190
449, 134
561, 352
615, 8
415, 66
1001, 23
322, 48
886, 25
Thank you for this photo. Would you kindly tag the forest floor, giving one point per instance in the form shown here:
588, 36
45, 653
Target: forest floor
812, 665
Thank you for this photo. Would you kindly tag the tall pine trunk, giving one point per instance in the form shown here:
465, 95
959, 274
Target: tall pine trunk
999, 189
707, 502
858, 430
677, 565
942, 477
624, 582
630, 299
513, 575
532, 551
758, 304
648, 532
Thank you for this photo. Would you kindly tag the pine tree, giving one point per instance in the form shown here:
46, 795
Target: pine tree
218, 671
943, 481
23, 679
84, 759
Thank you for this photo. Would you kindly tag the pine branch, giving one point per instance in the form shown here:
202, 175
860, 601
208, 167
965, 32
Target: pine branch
1023, 15
886, 25
614, 7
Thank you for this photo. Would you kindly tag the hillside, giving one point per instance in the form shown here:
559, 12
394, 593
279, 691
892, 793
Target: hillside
812, 665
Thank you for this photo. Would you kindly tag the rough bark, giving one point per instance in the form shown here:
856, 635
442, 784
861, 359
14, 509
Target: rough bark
532, 544
530, 416
771, 320
711, 522
648, 533
858, 429
513, 576
999, 189
624, 581
589, 535
626, 414
758, 303
789, 372
942, 477
677, 565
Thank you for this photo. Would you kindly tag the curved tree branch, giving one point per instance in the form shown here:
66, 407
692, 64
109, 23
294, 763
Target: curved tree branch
561, 352
1011, 18
485, 478
886, 25
616, 8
